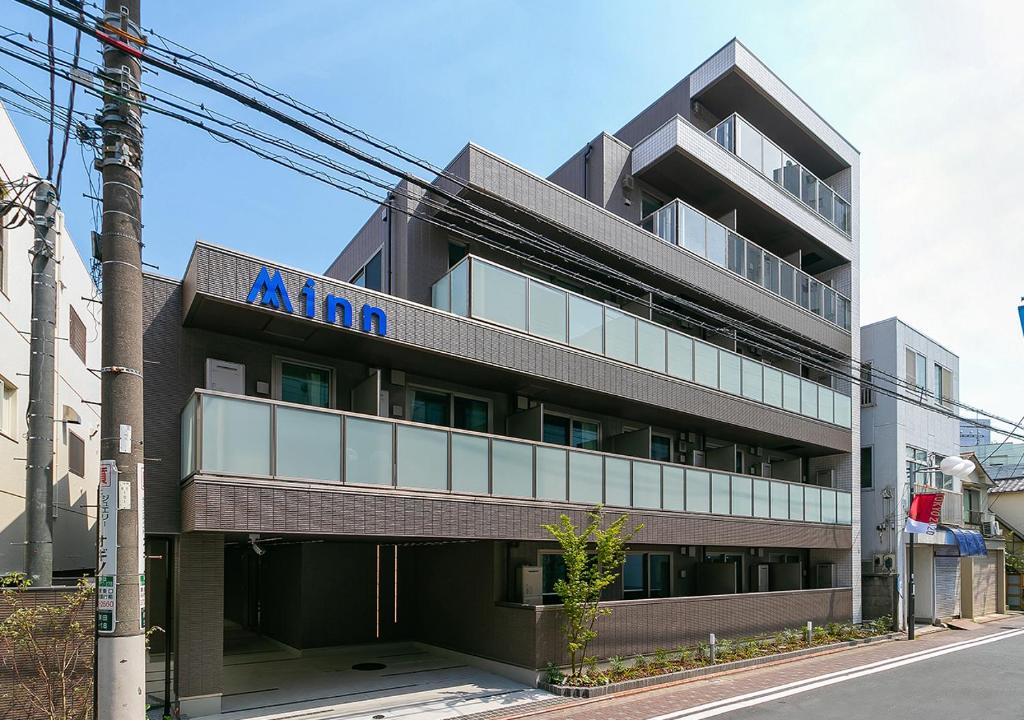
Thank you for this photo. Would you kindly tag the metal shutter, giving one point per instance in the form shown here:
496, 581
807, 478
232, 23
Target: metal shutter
947, 587
984, 586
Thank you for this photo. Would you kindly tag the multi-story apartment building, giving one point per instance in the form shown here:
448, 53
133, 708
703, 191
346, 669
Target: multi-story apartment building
661, 326
76, 388
975, 433
906, 431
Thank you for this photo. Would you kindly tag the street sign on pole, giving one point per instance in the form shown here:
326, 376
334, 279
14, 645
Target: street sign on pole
106, 568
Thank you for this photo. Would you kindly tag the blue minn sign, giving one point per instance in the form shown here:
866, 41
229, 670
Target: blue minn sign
270, 291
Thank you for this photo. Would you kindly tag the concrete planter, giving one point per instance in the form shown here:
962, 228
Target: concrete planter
637, 683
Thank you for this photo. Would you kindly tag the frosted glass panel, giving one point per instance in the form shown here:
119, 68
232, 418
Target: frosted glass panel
742, 496
842, 410
812, 504
188, 438
809, 398
761, 499
828, 506
752, 380
367, 452
825, 411
773, 386
779, 501
646, 485
439, 294
705, 363
619, 335
791, 392
512, 468
236, 436
422, 458
548, 312
680, 356
720, 494
673, 487
698, 491
586, 324
796, 502
308, 444
585, 473
617, 481
469, 464
844, 513
499, 295
460, 288
551, 468
650, 346
729, 372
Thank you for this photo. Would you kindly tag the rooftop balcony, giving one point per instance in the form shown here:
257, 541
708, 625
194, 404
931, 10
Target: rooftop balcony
480, 289
243, 437
683, 225
753, 147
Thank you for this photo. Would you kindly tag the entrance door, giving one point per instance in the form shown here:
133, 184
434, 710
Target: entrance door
947, 587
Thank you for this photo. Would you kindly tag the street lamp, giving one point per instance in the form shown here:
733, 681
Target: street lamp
958, 468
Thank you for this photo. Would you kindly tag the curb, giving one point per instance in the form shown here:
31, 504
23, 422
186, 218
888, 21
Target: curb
709, 670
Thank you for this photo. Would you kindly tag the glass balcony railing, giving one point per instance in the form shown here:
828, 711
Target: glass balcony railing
237, 436
751, 145
481, 289
690, 229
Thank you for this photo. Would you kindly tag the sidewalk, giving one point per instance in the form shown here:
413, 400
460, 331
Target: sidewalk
643, 704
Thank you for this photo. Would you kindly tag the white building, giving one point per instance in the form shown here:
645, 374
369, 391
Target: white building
77, 389
900, 440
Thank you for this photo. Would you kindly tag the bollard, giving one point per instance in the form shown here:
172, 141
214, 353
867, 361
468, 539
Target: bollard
810, 632
711, 648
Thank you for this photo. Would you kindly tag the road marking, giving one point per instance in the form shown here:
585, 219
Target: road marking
758, 697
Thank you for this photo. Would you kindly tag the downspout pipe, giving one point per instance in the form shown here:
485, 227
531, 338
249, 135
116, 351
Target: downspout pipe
586, 171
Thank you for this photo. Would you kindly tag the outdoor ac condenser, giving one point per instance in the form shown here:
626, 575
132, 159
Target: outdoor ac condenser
531, 585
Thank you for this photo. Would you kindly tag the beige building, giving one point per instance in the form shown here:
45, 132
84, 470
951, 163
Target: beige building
77, 389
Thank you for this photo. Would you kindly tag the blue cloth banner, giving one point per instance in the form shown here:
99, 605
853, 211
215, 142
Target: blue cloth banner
970, 542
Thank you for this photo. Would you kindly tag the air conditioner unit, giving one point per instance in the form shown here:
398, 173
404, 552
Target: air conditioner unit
885, 562
766, 470
697, 458
991, 528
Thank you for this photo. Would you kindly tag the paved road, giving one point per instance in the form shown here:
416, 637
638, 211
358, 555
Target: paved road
951, 674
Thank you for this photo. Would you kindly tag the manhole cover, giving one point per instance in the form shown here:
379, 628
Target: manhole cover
369, 666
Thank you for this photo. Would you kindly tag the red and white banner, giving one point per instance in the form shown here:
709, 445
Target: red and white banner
925, 513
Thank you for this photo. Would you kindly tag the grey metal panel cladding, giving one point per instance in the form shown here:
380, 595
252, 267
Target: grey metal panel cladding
428, 329
495, 176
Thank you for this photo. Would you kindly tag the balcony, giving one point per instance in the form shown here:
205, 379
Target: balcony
750, 145
680, 224
483, 290
952, 512
244, 437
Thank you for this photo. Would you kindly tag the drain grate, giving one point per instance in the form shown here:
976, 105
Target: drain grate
366, 667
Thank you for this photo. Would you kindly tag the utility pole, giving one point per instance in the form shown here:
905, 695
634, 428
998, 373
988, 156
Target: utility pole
120, 645
39, 468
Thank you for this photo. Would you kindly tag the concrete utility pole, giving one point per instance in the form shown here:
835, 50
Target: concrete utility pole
120, 646
39, 468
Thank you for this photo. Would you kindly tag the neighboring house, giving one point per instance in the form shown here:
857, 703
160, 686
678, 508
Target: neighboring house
1002, 461
906, 431
394, 436
77, 389
1006, 503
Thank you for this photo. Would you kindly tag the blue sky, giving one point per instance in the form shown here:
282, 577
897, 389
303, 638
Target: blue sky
920, 89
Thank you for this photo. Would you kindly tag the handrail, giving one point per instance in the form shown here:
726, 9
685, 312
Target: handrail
281, 462
466, 303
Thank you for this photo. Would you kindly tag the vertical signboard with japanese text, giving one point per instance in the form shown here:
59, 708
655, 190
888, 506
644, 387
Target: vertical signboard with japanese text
106, 567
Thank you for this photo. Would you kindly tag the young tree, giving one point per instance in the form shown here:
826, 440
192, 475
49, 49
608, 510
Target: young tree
587, 574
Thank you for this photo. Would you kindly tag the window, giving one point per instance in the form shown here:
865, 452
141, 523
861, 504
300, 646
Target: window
661, 448
972, 507
945, 481
867, 393
455, 253
917, 460
438, 407
570, 431
943, 385
305, 384
76, 455
371, 275
866, 469
8, 405
552, 568
648, 204
916, 365
646, 575
76, 334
